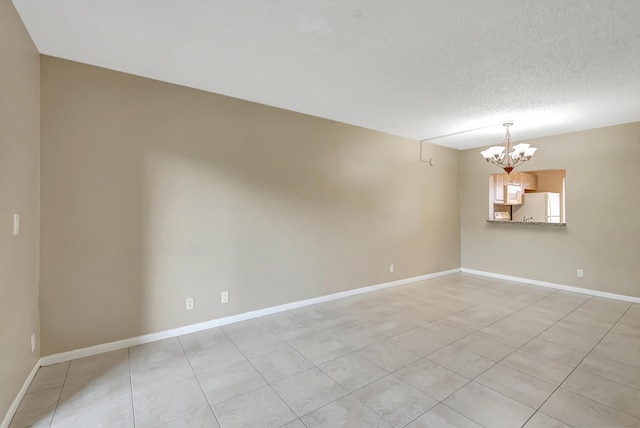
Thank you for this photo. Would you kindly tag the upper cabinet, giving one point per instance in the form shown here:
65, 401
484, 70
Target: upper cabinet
508, 189
527, 180
497, 188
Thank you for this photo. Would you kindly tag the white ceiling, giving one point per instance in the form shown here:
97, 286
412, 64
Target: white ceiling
415, 68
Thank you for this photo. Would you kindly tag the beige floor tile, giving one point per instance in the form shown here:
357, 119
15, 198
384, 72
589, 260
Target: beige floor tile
169, 369
283, 320
484, 347
540, 420
523, 327
418, 341
538, 335
460, 361
485, 314
537, 366
255, 346
117, 413
605, 308
154, 352
589, 319
200, 418
444, 332
576, 410
487, 407
626, 329
210, 349
203, 341
157, 405
442, 416
83, 393
540, 313
569, 340
259, 408
242, 330
578, 329
353, 371
280, 363
464, 323
435, 312
110, 364
504, 336
604, 391
230, 381
347, 412
295, 424
431, 378
389, 356
561, 354
415, 316
308, 391
612, 370
356, 337
620, 348
521, 387
396, 401
49, 377
36, 408
390, 325
319, 348
632, 316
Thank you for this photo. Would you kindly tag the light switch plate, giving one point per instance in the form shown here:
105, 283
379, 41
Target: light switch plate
16, 224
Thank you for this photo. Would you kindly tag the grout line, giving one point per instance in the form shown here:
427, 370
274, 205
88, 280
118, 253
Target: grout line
451, 343
261, 375
578, 365
133, 408
64, 382
197, 380
443, 293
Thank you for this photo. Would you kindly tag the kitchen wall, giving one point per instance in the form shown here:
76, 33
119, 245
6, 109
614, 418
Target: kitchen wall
602, 235
19, 193
152, 193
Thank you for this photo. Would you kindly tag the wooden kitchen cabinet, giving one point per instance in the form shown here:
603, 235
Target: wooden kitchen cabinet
497, 188
507, 189
527, 180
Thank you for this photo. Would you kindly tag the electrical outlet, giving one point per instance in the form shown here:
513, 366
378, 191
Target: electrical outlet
33, 342
189, 304
224, 297
580, 273
392, 268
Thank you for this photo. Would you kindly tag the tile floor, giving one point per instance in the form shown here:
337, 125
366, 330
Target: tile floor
454, 351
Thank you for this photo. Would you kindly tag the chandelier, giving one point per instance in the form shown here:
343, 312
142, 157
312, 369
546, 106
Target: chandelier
508, 157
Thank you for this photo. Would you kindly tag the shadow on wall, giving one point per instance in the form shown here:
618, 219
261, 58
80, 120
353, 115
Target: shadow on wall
154, 193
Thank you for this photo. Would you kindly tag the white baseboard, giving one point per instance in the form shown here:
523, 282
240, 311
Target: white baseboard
553, 285
166, 334
16, 403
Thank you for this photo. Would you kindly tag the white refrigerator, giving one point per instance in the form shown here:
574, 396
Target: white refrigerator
543, 207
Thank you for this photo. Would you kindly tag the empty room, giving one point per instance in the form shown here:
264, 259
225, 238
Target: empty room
319, 214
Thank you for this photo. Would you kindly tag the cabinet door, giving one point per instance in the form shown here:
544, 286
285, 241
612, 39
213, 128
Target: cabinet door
498, 188
533, 182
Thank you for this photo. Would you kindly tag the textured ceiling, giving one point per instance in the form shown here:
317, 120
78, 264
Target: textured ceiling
416, 68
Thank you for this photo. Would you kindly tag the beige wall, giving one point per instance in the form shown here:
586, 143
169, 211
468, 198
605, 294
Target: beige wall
152, 193
602, 235
19, 193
